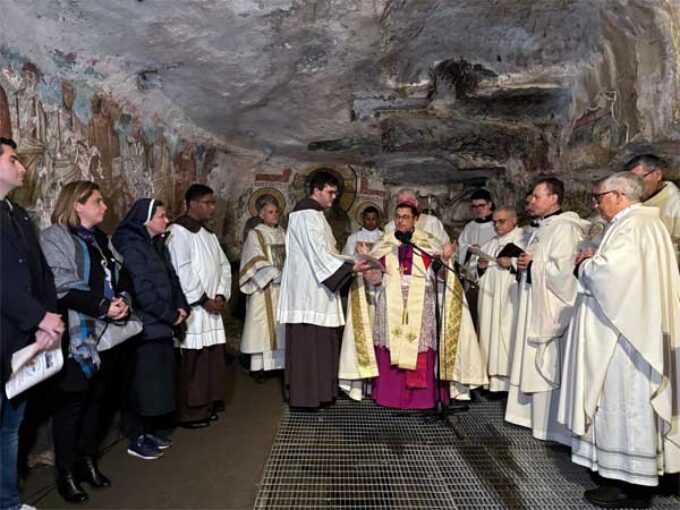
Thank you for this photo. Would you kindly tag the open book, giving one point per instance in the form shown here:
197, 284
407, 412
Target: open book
361, 257
29, 367
481, 254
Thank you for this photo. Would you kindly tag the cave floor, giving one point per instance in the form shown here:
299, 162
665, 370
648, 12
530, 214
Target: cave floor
352, 455
216, 467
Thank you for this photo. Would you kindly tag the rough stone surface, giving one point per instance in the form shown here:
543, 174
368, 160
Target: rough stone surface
149, 96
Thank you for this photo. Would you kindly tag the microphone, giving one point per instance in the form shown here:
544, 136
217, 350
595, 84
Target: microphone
404, 237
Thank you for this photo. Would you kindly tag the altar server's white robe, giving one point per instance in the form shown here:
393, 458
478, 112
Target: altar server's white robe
544, 309
203, 269
474, 232
668, 202
367, 237
427, 223
620, 387
311, 258
260, 279
496, 308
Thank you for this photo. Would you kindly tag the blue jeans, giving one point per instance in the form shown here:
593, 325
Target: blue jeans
11, 416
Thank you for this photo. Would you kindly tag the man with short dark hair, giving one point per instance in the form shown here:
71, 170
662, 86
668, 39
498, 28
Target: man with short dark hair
547, 291
205, 275
480, 229
309, 304
367, 235
659, 193
28, 302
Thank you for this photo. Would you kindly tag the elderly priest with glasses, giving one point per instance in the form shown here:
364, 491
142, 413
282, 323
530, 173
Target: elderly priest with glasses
620, 388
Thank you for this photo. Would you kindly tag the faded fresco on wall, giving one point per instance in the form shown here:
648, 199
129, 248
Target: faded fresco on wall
66, 133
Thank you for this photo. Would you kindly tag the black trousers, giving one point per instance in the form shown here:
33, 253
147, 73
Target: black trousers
85, 407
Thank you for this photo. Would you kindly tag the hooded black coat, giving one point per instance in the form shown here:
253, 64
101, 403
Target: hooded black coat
156, 290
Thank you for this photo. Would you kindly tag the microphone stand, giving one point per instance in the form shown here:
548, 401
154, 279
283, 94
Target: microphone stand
439, 412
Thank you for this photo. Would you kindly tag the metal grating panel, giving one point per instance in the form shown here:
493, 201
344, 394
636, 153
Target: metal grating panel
360, 456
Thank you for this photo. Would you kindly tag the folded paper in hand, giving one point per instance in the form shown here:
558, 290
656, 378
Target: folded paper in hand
481, 254
31, 366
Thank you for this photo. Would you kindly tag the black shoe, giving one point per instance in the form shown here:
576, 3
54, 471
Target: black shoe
86, 470
214, 417
611, 496
197, 424
70, 489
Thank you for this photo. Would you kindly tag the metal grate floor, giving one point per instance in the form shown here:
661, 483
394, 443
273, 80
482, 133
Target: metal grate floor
360, 456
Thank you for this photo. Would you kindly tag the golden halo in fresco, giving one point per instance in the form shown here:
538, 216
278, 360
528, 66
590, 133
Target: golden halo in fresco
261, 192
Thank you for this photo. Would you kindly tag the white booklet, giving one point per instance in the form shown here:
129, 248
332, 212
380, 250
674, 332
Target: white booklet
481, 254
29, 367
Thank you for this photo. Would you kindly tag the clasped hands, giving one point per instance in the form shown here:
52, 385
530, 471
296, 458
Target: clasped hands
585, 254
213, 306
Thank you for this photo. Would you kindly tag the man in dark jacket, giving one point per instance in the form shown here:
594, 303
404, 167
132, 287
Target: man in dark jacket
28, 301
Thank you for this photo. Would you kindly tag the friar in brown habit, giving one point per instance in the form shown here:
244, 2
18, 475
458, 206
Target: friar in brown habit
309, 303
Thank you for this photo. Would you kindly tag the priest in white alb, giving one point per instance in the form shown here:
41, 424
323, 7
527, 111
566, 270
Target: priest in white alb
264, 252
546, 299
621, 387
309, 302
498, 298
659, 193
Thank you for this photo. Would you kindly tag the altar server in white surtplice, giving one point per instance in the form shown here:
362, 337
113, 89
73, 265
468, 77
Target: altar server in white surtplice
659, 193
478, 231
546, 300
498, 297
367, 235
620, 388
260, 279
310, 305
205, 275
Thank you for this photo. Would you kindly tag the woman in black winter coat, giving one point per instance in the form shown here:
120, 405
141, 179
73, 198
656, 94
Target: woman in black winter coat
160, 304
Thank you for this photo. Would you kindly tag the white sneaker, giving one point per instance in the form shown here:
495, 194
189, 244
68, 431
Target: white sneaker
27, 507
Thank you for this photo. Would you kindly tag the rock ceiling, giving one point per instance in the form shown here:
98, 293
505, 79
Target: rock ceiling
423, 90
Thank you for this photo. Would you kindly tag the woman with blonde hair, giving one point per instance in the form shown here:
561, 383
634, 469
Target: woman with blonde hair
91, 288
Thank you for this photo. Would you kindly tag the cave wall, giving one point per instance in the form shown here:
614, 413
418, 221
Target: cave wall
68, 132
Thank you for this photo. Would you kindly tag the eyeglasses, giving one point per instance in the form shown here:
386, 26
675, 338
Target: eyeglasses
499, 222
478, 206
597, 197
399, 217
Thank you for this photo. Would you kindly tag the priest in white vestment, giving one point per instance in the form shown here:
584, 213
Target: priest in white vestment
546, 299
498, 299
426, 222
309, 302
264, 252
620, 387
659, 193
205, 275
399, 350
